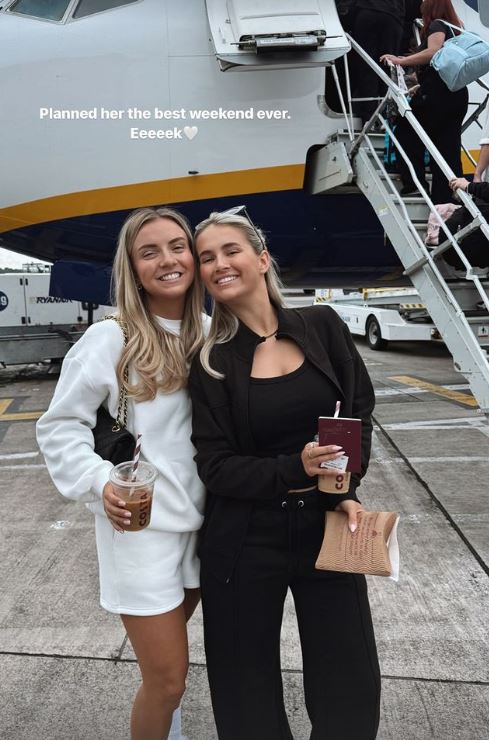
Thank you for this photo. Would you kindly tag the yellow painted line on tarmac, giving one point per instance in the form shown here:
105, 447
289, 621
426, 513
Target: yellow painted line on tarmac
4, 404
438, 390
16, 415
22, 416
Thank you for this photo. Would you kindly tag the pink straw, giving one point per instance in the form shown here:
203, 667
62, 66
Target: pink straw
135, 459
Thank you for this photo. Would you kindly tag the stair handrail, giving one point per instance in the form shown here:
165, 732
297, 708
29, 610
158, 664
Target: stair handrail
395, 93
406, 111
428, 256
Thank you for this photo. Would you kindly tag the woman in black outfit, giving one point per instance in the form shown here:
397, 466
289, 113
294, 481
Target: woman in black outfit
378, 27
439, 111
264, 376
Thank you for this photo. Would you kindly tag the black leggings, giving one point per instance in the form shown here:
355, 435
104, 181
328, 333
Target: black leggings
242, 622
441, 116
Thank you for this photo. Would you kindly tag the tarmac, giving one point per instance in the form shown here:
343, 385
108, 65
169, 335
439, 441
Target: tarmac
67, 670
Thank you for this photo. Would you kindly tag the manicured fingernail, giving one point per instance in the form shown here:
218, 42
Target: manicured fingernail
339, 454
353, 527
121, 503
336, 447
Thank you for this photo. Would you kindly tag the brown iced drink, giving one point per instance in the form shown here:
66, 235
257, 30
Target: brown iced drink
140, 507
137, 494
339, 483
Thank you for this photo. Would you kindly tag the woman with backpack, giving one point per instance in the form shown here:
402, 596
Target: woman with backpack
439, 111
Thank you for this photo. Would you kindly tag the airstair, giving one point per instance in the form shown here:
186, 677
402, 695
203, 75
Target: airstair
457, 300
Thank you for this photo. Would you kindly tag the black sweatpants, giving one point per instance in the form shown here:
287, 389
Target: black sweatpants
441, 115
378, 33
242, 622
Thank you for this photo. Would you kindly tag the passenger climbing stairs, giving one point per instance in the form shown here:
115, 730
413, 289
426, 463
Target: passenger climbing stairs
457, 300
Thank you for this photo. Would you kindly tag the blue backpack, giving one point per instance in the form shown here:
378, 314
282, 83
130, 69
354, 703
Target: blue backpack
462, 59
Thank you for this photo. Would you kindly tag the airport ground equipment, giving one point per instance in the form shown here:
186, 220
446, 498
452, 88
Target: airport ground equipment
382, 315
35, 326
456, 300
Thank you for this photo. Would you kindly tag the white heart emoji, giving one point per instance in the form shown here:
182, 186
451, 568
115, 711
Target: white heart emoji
190, 132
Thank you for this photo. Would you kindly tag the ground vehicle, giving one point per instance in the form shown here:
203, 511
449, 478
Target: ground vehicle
35, 326
382, 315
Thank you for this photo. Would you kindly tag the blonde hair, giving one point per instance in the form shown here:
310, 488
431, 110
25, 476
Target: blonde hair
160, 358
224, 323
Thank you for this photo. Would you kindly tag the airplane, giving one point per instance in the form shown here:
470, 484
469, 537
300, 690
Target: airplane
110, 105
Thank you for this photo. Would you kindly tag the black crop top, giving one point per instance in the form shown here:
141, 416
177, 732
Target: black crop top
284, 411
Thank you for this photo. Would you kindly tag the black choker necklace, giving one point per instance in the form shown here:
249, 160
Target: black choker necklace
267, 336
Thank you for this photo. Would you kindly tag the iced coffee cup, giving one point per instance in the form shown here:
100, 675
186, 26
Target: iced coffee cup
137, 494
339, 483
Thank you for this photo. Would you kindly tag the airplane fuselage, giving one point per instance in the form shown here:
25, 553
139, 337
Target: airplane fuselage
129, 107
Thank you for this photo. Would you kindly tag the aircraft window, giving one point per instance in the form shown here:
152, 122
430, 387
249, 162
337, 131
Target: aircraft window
51, 10
88, 7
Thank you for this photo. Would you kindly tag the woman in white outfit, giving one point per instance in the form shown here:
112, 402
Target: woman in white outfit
149, 577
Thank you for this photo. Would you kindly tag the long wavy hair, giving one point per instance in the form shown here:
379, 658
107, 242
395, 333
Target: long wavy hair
442, 9
161, 359
224, 323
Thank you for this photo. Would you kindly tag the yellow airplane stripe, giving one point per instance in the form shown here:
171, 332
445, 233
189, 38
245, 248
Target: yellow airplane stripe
177, 190
438, 390
181, 189
467, 166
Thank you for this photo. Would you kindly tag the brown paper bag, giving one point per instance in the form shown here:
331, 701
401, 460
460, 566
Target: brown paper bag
364, 551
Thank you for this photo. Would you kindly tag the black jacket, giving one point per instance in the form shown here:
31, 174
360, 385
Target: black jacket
479, 190
395, 8
227, 461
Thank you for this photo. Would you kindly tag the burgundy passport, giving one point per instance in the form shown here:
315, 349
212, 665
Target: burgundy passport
344, 432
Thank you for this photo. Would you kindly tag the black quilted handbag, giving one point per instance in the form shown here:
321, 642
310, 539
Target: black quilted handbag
112, 441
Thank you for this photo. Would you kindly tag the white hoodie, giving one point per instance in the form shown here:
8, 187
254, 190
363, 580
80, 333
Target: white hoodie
64, 433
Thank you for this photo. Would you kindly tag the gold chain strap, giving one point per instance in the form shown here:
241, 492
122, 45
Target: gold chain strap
121, 420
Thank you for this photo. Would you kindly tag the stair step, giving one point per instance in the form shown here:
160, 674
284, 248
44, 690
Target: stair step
377, 140
457, 283
414, 200
343, 134
396, 177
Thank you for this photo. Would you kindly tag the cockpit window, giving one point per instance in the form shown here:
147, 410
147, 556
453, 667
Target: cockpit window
51, 10
88, 7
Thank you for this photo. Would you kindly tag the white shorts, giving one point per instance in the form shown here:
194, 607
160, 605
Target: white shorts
144, 573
